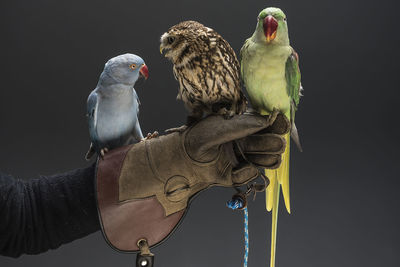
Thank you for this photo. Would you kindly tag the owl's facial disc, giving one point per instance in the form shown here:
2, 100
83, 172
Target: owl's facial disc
167, 40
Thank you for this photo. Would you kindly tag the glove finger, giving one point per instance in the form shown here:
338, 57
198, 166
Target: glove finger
269, 161
263, 144
215, 130
244, 174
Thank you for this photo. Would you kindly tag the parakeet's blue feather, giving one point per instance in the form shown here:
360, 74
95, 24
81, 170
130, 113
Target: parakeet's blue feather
113, 107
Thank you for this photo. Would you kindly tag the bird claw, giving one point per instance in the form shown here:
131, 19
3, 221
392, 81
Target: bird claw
103, 151
226, 113
251, 111
150, 136
177, 129
274, 114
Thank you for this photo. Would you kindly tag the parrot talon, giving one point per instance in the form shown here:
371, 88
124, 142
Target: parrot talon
151, 136
177, 129
103, 151
272, 117
251, 111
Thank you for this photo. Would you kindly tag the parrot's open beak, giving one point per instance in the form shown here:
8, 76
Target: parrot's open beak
144, 71
270, 25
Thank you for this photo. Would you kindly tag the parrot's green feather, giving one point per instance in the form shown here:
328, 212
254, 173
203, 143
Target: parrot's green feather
293, 78
293, 87
242, 54
271, 75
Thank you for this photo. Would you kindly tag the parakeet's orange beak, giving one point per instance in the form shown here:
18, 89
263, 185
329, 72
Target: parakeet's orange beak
144, 71
270, 27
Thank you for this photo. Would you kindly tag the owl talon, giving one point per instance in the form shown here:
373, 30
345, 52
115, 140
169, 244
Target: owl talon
227, 114
177, 129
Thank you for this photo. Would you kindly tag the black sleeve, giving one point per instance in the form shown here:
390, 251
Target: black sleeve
44, 213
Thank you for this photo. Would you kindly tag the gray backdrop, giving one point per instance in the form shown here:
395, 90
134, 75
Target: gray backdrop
343, 186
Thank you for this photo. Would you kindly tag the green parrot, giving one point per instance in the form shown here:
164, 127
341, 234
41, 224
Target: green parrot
271, 75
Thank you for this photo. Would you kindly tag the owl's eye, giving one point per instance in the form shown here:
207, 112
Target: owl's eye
171, 39
132, 66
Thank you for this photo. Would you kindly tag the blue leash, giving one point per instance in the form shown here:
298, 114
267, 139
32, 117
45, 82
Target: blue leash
238, 203
246, 237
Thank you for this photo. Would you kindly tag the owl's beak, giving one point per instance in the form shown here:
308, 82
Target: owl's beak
164, 50
144, 71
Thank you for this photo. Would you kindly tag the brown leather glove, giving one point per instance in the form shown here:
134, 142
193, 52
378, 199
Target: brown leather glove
144, 189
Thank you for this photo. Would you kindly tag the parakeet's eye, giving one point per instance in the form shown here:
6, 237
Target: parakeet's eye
171, 39
132, 66
284, 19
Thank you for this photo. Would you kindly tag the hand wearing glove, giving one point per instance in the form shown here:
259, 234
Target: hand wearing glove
144, 189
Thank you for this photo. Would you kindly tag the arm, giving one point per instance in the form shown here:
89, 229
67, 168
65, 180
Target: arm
42, 214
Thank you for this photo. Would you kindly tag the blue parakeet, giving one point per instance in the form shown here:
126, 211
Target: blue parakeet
113, 106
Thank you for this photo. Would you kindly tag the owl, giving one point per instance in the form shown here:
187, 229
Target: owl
207, 69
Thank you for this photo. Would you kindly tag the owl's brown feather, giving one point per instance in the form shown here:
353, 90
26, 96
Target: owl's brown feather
206, 68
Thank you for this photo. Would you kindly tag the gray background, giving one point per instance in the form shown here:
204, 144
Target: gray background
343, 186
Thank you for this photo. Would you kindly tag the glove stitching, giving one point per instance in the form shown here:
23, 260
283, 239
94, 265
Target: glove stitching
152, 163
188, 157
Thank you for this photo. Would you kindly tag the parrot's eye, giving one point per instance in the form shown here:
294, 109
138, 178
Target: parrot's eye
132, 66
284, 19
171, 39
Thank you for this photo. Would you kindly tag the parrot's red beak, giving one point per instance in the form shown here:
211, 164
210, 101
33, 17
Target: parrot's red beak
270, 27
144, 71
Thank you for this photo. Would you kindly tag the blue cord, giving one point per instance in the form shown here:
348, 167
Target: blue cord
235, 204
246, 236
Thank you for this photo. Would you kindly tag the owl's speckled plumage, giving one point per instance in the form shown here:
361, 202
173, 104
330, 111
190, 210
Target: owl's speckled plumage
206, 68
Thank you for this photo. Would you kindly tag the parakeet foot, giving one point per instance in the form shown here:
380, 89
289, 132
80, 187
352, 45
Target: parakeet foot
103, 151
273, 115
150, 136
177, 129
251, 111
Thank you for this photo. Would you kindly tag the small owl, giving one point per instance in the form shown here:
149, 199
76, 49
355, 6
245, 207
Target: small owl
207, 70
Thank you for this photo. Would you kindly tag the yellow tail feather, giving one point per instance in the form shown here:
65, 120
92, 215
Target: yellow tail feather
278, 178
284, 177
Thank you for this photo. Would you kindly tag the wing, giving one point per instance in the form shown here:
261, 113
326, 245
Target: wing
229, 56
136, 98
230, 73
243, 55
293, 78
92, 106
137, 131
293, 86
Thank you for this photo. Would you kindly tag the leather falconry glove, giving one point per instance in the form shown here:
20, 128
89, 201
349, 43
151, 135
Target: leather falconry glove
143, 190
